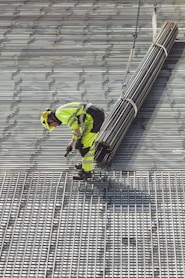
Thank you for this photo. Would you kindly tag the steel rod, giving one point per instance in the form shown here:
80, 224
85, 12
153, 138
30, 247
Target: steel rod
120, 118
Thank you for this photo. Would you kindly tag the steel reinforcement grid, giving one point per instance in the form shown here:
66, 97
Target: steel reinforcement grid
120, 224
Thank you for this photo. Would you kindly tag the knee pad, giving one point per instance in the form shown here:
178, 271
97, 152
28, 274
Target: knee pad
83, 151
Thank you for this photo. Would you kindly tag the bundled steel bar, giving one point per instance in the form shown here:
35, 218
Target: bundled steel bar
119, 120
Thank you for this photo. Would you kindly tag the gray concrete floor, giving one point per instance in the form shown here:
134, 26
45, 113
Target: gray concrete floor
53, 53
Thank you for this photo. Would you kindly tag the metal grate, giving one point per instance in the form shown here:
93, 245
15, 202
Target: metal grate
122, 224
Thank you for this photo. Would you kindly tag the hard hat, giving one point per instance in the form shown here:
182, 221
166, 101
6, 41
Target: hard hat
44, 119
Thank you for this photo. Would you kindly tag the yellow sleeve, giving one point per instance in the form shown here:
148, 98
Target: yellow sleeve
73, 123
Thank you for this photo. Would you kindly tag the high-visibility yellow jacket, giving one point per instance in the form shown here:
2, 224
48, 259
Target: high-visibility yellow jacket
75, 116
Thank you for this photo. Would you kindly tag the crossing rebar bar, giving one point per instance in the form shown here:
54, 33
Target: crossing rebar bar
125, 110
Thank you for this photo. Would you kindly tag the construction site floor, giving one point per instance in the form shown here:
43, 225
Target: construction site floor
129, 219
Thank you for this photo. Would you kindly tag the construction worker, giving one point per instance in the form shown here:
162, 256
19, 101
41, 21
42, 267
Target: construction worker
85, 121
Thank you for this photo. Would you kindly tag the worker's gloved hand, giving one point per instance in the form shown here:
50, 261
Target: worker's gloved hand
68, 150
78, 145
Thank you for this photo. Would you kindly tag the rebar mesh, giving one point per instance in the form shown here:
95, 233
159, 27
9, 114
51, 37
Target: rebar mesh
118, 225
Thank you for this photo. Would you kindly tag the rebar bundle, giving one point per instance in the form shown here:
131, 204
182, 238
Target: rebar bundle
125, 110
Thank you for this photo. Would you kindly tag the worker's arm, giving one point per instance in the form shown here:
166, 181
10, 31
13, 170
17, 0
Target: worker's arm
72, 144
78, 132
76, 135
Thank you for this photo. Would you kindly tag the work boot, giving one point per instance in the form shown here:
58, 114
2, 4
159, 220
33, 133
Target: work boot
78, 166
82, 175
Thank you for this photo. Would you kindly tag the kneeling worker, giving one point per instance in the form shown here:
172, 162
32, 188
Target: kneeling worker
85, 121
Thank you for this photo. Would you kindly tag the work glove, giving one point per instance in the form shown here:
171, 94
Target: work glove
68, 150
78, 145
